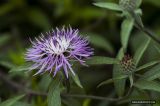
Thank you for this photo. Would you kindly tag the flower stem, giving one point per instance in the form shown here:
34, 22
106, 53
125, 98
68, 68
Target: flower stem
18, 86
148, 32
99, 97
151, 34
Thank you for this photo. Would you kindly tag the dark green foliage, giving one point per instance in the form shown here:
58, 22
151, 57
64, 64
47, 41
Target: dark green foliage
112, 31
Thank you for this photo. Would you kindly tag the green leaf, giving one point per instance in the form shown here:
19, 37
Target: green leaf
54, 98
157, 48
4, 38
22, 104
97, 60
41, 21
152, 63
87, 13
6, 8
7, 64
45, 82
119, 84
153, 73
138, 3
22, 68
140, 51
131, 80
17, 56
120, 54
87, 102
126, 29
153, 2
111, 6
100, 42
76, 80
112, 80
117, 72
11, 101
138, 11
147, 85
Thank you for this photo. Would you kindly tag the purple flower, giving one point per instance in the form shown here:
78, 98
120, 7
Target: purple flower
56, 49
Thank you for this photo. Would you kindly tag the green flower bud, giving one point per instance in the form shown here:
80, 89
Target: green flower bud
127, 64
128, 4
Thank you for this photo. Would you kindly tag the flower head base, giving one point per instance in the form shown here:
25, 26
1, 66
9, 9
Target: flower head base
127, 63
54, 50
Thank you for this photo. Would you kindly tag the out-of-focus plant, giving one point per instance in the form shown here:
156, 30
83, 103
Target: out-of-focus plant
127, 65
62, 48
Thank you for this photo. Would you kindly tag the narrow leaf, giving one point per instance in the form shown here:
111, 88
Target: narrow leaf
138, 11
153, 73
126, 29
6, 8
24, 67
101, 42
111, 6
4, 38
150, 64
157, 48
138, 3
45, 82
76, 80
155, 3
112, 80
131, 80
54, 98
19, 103
41, 21
97, 60
140, 51
117, 72
148, 85
7, 64
11, 101
120, 54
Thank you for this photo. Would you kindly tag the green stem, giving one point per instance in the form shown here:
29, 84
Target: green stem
20, 87
150, 34
99, 97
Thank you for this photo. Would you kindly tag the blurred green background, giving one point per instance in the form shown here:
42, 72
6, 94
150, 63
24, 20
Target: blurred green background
24, 19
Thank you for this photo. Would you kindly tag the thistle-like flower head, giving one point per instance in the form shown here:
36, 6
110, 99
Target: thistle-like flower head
127, 63
56, 49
